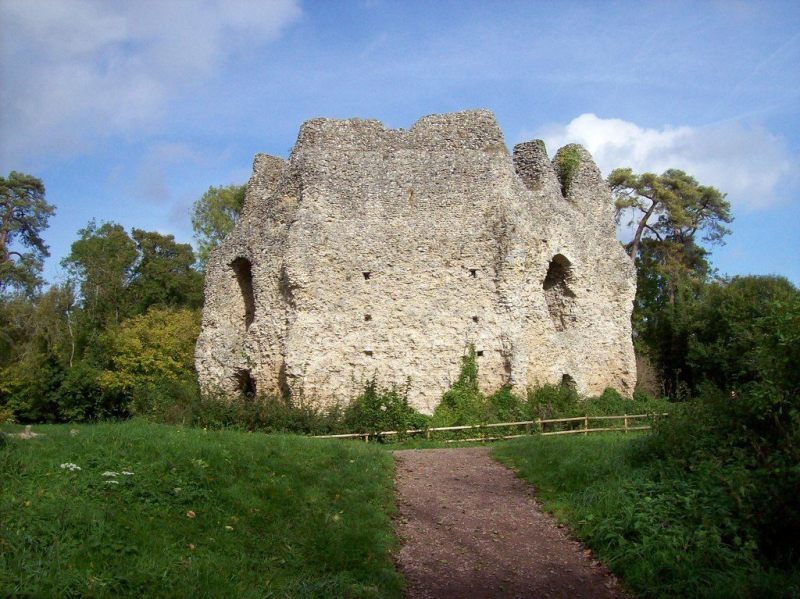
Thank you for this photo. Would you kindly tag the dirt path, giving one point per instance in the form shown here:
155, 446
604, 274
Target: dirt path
470, 528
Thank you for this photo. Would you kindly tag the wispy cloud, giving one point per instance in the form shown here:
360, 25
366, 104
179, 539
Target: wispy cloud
747, 162
74, 71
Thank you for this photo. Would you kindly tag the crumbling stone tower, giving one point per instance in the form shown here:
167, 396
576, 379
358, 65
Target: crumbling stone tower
385, 252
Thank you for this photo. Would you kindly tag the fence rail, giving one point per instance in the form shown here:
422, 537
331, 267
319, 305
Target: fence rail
540, 423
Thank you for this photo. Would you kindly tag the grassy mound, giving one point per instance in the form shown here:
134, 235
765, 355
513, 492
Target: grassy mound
147, 510
667, 532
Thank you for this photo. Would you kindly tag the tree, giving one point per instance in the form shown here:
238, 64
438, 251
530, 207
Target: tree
23, 215
671, 207
671, 214
36, 347
164, 273
214, 216
101, 262
149, 355
730, 328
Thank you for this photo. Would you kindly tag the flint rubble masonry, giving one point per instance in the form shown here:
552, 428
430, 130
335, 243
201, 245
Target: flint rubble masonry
374, 251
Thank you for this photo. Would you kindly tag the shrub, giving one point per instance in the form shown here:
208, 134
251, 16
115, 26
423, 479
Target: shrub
29, 389
552, 401
150, 356
568, 161
504, 406
81, 397
463, 403
263, 413
378, 410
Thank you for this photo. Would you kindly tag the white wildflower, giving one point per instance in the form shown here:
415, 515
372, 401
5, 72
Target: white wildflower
73, 432
383, 408
127, 473
111, 482
110, 473
70, 466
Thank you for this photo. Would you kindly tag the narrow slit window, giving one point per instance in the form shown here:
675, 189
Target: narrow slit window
479, 353
473, 272
244, 277
367, 317
368, 352
475, 319
367, 275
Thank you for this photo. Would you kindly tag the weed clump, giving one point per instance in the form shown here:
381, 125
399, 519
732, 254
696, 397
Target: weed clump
377, 410
568, 162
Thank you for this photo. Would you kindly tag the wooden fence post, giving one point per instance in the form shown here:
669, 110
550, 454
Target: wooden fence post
626, 424
586, 425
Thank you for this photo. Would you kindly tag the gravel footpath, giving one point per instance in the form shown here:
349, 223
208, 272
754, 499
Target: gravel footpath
470, 528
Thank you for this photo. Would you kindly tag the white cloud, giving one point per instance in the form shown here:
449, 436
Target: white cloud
747, 162
80, 69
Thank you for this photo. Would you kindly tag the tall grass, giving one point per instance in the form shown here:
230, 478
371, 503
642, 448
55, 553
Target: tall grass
667, 531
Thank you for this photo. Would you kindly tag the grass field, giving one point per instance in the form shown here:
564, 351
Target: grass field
666, 533
166, 511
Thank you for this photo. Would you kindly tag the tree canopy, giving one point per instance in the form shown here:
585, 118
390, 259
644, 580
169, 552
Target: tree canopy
164, 273
672, 208
214, 216
101, 262
24, 214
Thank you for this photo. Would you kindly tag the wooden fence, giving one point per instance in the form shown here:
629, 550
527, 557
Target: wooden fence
575, 425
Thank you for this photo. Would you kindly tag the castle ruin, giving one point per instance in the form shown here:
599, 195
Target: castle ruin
382, 252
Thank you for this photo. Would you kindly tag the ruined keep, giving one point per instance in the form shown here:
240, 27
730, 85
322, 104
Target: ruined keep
374, 251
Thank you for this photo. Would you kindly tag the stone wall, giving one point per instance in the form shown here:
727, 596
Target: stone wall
385, 252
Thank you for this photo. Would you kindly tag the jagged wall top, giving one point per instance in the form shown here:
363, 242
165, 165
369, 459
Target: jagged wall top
460, 239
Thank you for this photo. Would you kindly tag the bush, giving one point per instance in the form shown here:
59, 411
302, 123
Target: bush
504, 406
29, 390
553, 401
149, 357
463, 403
263, 413
81, 397
378, 410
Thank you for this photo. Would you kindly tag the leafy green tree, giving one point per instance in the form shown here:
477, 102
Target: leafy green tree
24, 213
164, 274
36, 346
671, 214
214, 216
730, 328
101, 262
672, 207
148, 355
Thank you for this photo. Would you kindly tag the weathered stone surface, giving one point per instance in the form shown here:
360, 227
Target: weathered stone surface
385, 252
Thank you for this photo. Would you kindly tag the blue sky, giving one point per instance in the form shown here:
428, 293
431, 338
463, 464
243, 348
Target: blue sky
129, 111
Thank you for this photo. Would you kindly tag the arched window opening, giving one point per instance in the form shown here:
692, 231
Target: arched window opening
245, 383
559, 297
567, 381
244, 276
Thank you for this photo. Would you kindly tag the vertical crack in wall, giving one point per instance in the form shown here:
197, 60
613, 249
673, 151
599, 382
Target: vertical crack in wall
559, 297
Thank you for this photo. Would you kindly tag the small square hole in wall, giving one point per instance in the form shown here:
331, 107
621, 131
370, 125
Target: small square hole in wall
479, 353
367, 317
475, 319
367, 275
368, 352
473, 272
